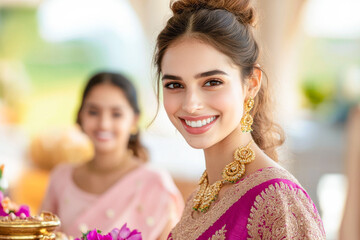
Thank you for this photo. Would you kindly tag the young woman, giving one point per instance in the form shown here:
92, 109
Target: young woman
214, 94
116, 186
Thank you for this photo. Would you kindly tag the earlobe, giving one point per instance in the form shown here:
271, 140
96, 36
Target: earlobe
136, 121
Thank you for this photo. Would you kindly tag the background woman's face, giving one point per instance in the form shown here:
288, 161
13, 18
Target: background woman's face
107, 118
203, 94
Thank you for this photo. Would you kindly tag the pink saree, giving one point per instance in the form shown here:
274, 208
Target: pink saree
145, 199
268, 204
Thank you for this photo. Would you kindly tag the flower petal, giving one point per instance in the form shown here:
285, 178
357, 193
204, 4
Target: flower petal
23, 209
124, 232
93, 235
136, 236
115, 233
106, 237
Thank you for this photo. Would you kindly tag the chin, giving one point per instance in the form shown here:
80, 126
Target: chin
198, 143
104, 149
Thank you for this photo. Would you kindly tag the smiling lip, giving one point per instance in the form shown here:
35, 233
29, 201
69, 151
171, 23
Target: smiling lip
198, 125
103, 136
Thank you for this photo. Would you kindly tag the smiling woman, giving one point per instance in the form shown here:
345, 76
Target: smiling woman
193, 97
214, 94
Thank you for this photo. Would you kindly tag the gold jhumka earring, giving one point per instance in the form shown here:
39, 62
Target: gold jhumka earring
247, 120
231, 173
134, 130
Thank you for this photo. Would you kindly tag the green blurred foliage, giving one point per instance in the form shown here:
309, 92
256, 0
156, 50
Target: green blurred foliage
56, 71
323, 69
18, 32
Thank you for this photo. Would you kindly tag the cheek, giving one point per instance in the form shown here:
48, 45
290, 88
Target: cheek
88, 124
229, 103
124, 125
172, 103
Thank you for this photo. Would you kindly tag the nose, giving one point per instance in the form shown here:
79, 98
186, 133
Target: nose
105, 121
192, 101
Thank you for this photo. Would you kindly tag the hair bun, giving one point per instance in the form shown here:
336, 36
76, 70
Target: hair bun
242, 9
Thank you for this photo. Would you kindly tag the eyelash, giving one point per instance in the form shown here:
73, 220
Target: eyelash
171, 84
217, 81
117, 115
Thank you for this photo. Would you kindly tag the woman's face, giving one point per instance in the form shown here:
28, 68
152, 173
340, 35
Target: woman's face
203, 93
107, 118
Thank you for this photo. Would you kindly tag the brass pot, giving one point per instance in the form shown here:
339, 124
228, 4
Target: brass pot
30, 229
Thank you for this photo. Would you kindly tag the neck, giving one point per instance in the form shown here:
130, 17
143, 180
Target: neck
108, 161
221, 154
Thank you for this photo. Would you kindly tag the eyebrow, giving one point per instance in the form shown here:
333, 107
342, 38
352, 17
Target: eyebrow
200, 75
210, 73
91, 105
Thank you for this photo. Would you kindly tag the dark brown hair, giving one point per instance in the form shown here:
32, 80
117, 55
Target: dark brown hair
227, 25
129, 91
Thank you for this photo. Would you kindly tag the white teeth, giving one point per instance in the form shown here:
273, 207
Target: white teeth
199, 123
104, 135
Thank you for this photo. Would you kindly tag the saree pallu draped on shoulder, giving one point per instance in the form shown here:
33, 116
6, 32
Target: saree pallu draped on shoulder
145, 198
268, 204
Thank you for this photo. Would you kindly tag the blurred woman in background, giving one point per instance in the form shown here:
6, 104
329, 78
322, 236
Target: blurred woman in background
116, 186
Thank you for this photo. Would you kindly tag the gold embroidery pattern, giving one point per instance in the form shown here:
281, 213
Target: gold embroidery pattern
189, 228
282, 212
219, 234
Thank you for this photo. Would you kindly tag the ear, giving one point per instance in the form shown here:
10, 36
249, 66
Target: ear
78, 120
254, 82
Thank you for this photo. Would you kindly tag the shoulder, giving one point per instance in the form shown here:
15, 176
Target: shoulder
61, 170
160, 178
257, 181
59, 179
283, 209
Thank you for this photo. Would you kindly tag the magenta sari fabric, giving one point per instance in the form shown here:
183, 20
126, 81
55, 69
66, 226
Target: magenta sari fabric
268, 204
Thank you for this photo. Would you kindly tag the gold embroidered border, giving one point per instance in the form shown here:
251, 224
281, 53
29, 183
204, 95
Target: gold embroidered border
189, 228
282, 212
219, 234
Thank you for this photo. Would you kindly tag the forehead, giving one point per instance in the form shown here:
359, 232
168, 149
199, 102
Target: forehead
193, 56
106, 94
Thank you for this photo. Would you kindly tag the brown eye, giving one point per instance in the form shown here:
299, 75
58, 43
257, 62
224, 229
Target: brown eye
212, 83
173, 85
117, 115
92, 113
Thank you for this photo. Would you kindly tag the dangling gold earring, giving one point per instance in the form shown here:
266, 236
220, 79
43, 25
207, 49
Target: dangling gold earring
134, 130
247, 120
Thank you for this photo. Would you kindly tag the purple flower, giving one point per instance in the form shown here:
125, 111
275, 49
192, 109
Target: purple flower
2, 212
114, 233
107, 237
23, 209
93, 235
125, 234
